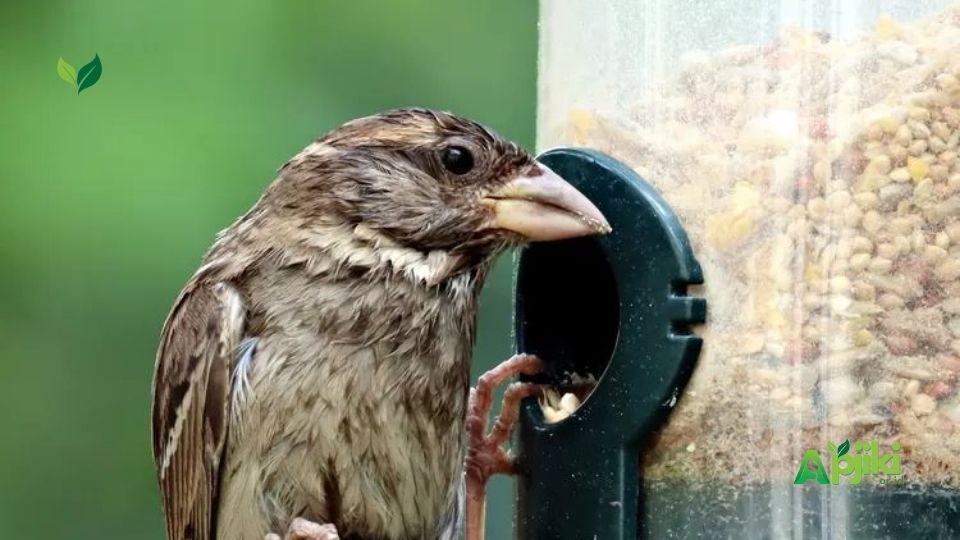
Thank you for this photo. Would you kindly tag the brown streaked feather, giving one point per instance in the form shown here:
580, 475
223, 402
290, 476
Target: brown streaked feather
191, 399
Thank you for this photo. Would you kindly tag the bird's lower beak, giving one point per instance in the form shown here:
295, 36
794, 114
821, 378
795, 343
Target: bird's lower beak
543, 207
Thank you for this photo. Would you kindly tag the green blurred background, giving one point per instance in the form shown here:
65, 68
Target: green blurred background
109, 199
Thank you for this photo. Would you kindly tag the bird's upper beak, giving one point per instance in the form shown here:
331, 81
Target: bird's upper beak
541, 206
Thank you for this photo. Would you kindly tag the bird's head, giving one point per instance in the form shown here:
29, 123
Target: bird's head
432, 182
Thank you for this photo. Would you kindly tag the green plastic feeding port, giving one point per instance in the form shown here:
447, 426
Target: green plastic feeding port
613, 309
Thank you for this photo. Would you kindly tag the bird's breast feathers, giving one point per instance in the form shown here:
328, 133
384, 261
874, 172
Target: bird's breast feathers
348, 408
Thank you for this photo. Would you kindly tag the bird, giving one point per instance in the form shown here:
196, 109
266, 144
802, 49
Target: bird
312, 376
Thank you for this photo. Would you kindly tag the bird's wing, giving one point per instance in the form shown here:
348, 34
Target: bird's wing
452, 523
191, 400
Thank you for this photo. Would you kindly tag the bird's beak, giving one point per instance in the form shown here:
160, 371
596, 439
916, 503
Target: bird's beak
541, 206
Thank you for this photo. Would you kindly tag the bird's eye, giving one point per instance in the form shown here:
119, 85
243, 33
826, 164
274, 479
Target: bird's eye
457, 159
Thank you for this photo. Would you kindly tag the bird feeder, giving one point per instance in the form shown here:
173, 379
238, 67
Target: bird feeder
805, 156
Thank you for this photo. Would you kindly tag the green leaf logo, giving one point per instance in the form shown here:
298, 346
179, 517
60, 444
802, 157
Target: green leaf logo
843, 448
66, 72
89, 74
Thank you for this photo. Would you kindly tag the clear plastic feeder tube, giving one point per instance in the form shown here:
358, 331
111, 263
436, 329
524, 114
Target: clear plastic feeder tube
810, 149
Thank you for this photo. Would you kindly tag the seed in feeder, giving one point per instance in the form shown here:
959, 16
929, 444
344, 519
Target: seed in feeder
924, 190
941, 130
892, 195
934, 254
866, 200
817, 208
900, 174
880, 164
947, 82
951, 305
864, 291
948, 270
569, 402
751, 344
937, 145
890, 301
880, 265
921, 114
954, 326
883, 390
780, 394
840, 303
872, 222
919, 129
946, 209
838, 200
954, 183
922, 404
939, 172
918, 241
862, 338
897, 152
842, 390
951, 116
901, 226
942, 240
916, 169
901, 242
859, 261
840, 284
839, 267
953, 232
903, 136
887, 250
917, 148
938, 389
556, 408
861, 244
876, 187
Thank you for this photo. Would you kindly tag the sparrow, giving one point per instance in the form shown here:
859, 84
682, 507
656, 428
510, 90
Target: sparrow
313, 374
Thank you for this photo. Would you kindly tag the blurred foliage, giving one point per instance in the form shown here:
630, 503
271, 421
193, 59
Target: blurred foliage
108, 200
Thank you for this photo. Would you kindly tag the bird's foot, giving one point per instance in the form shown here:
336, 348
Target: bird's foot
302, 529
486, 454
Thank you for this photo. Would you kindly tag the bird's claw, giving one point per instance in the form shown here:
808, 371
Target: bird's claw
302, 529
486, 454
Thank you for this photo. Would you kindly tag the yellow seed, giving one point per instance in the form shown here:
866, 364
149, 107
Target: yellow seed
728, 230
860, 323
862, 338
918, 168
889, 124
741, 227
887, 27
773, 318
582, 123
